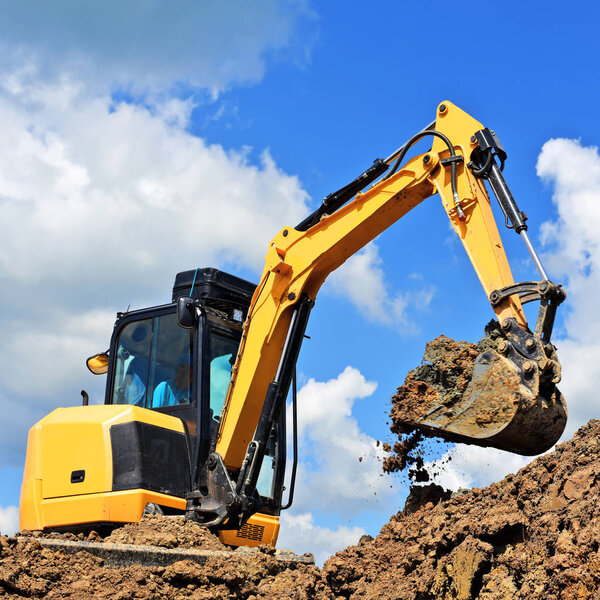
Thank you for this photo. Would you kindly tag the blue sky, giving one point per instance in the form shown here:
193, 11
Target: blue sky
131, 128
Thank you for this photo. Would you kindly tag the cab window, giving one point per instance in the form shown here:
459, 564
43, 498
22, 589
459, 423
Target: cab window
223, 351
266, 477
153, 363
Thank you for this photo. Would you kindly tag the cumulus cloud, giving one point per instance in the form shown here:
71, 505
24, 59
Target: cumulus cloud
101, 205
42, 365
109, 192
44, 362
573, 254
339, 472
341, 465
300, 533
361, 280
152, 46
9, 520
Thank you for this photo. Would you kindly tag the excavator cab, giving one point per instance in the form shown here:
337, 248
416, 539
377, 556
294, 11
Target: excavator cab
165, 391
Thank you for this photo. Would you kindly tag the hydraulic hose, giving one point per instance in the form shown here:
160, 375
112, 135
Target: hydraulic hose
411, 142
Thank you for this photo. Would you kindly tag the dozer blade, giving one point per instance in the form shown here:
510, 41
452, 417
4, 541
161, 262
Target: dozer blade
124, 555
503, 407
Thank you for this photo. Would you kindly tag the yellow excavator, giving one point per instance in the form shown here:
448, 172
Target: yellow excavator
194, 415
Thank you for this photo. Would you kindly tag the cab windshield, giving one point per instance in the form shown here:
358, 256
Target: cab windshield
153, 364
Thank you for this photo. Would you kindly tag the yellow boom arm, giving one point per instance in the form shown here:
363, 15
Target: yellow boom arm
298, 262
510, 402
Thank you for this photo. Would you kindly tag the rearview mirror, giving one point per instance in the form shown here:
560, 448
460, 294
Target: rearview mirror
186, 312
98, 364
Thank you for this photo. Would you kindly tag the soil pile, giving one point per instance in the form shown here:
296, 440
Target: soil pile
28, 570
155, 530
152, 530
534, 535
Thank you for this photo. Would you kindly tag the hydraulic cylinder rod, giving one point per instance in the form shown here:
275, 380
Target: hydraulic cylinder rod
512, 213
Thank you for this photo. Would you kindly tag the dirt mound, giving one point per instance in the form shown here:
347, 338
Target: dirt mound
152, 530
534, 535
28, 570
170, 532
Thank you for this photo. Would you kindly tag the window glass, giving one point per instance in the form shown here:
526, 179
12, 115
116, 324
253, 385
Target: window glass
132, 362
264, 485
153, 365
173, 366
266, 477
223, 351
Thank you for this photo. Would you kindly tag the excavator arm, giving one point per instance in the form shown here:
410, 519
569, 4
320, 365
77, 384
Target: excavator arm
517, 381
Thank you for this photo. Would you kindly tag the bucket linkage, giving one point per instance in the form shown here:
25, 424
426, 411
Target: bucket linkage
512, 401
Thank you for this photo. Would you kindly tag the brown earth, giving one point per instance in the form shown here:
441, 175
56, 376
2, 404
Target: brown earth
153, 530
167, 533
534, 535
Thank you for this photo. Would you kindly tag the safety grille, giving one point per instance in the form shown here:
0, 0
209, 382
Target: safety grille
251, 532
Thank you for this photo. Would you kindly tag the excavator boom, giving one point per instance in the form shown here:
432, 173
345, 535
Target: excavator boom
512, 402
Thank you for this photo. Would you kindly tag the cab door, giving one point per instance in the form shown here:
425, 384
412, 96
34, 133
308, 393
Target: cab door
153, 366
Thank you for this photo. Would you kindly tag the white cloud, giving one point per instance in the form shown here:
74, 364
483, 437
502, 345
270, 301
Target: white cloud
361, 280
49, 358
105, 192
573, 256
470, 466
340, 468
150, 46
42, 366
299, 533
9, 520
100, 206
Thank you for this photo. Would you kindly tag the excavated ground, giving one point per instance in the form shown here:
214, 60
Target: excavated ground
534, 535
153, 530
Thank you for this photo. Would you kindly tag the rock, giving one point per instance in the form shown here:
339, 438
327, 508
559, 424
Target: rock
420, 495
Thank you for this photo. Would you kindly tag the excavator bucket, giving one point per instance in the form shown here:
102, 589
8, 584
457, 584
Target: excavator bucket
511, 401
500, 409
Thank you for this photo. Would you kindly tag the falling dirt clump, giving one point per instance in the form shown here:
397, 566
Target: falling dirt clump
420, 495
403, 454
441, 379
535, 535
